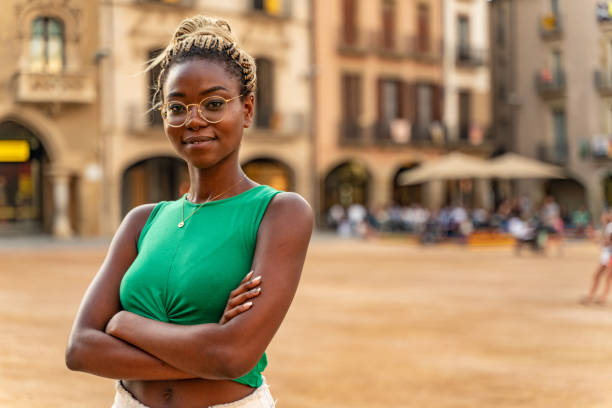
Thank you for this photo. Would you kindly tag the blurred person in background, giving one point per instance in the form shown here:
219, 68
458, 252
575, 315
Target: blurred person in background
174, 312
580, 221
604, 267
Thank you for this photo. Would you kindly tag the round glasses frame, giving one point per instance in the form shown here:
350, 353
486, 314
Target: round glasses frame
164, 110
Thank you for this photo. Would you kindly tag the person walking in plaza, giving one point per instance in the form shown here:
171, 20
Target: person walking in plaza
192, 291
604, 268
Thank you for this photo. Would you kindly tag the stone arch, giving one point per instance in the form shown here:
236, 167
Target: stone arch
270, 171
43, 128
153, 179
346, 183
406, 195
569, 192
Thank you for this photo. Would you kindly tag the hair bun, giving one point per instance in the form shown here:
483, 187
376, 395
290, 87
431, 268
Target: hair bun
202, 26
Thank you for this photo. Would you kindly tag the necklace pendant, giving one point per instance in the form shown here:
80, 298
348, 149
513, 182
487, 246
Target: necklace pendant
180, 224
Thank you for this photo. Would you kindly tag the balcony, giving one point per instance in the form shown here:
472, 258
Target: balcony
388, 46
283, 125
57, 88
602, 13
603, 82
469, 57
352, 41
424, 49
352, 133
555, 154
550, 27
550, 84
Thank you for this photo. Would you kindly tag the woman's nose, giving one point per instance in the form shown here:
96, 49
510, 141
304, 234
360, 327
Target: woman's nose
194, 119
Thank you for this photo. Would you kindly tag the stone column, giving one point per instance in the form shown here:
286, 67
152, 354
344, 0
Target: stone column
61, 198
434, 194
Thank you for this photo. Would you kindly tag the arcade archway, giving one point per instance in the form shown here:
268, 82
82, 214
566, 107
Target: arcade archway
271, 172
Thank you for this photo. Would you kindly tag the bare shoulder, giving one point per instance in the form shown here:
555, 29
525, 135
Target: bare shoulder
135, 219
292, 208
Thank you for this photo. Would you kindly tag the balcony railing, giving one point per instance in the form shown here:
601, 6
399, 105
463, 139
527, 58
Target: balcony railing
470, 57
557, 154
62, 88
603, 82
353, 41
550, 83
284, 124
400, 132
550, 26
386, 45
423, 48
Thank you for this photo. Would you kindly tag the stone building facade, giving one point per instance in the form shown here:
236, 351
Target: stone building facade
49, 118
380, 99
551, 90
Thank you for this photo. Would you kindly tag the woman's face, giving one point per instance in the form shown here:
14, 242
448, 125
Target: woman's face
200, 143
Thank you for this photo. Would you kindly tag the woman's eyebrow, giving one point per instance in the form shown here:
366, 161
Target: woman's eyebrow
204, 92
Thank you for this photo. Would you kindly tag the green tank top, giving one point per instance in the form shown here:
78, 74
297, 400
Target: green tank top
185, 275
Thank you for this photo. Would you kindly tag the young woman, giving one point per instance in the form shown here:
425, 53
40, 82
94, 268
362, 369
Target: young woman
192, 291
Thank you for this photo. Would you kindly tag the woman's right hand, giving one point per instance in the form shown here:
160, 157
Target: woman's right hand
238, 301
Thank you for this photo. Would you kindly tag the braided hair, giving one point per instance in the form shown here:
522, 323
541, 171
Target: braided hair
207, 38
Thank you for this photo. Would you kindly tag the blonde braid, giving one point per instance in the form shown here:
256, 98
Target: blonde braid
211, 36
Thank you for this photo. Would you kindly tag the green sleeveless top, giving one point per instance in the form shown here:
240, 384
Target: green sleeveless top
185, 275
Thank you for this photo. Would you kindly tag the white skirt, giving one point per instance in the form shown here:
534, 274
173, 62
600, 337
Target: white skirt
260, 398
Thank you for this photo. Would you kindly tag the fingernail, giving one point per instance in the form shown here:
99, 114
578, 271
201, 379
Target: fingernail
248, 304
257, 290
257, 279
250, 274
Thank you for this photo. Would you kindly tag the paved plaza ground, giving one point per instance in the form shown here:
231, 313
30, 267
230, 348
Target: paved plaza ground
375, 324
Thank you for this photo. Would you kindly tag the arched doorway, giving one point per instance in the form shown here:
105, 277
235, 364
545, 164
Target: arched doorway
271, 172
23, 161
152, 180
346, 184
409, 194
569, 193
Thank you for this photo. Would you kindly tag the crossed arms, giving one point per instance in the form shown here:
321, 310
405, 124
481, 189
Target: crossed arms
109, 342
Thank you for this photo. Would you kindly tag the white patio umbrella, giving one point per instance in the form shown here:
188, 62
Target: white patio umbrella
453, 166
514, 166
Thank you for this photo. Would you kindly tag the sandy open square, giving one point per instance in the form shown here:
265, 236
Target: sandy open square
376, 324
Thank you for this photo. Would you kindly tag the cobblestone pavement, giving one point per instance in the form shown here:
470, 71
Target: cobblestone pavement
374, 324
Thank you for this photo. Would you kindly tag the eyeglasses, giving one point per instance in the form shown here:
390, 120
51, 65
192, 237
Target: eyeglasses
211, 109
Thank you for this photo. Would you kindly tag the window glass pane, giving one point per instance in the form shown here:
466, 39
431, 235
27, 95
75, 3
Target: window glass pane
37, 46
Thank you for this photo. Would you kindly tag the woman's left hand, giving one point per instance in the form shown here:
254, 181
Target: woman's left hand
238, 301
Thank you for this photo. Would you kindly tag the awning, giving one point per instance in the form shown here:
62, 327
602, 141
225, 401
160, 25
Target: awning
453, 166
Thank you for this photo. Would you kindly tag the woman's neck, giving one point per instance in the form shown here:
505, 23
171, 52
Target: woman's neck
215, 183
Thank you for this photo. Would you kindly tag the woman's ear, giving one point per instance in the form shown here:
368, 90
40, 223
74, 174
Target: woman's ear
248, 106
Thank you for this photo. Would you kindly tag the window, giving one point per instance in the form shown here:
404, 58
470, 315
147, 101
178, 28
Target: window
559, 135
465, 103
47, 45
554, 7
424, 105
390, 96
388, 24
264, 97
349, 21
351, 97
423, 28
557, 66
155, 118
501, 26
463, 37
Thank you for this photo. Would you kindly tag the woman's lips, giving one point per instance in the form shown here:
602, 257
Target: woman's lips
199, 140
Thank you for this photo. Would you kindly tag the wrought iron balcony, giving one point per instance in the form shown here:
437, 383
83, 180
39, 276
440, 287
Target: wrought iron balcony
550, 27
352, 133
550, 84
353, 41
59, 88
603, 82
557, 154
424, 49
388, 45
470, 57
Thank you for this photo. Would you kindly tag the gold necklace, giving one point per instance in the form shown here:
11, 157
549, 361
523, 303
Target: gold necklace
182, 223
